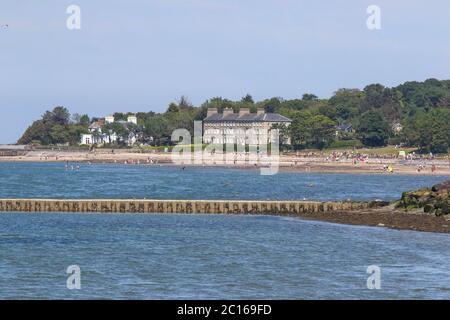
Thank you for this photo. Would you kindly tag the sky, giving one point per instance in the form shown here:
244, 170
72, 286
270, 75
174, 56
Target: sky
140, 55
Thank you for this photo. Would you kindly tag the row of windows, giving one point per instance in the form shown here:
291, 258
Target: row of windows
235, 124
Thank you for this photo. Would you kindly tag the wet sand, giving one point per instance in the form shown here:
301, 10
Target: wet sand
387, 217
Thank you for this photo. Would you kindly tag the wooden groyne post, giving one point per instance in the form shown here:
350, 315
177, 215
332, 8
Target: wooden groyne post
180, 206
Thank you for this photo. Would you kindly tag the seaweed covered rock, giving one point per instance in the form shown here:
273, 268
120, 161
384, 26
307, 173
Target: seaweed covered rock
434, 200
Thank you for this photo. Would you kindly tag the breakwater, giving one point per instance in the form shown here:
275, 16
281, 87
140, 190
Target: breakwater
180, 206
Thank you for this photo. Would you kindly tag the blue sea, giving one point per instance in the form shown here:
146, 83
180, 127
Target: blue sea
157, 256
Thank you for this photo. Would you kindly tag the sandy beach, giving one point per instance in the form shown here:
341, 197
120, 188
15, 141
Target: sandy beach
288, 162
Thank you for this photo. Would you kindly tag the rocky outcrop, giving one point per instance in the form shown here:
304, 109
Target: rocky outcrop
434, 200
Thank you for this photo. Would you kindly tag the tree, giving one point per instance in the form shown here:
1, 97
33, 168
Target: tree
84, 120
121, 131
157, 128
309, 96
59, 116
272, 105
184, 103
322, 131
80, 119
346, 104
59, 134
36, 132
120, 116
247, 99
429, 131
312, 130
373, 129
173, 107
300, 133
52, 128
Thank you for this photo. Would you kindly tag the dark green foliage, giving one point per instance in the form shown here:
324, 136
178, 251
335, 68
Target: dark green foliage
373, 129
55, 128
247, 99
421, 107
312, 130
429, 131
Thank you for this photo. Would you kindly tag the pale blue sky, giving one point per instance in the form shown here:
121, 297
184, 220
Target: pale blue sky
139, 55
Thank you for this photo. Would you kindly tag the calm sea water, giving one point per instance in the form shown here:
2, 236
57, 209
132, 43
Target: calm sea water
215, 256
51, 180
131, 256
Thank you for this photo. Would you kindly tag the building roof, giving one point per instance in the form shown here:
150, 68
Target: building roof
96, 125
345, 127
248, 117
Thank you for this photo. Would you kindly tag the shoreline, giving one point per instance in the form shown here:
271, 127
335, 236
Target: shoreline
287, 163
385, 217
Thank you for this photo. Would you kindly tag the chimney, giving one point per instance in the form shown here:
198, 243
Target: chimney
244, 111
211, 111
227, 111
260, 111
109, 119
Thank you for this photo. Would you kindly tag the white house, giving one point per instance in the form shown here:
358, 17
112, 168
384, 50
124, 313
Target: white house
97, 134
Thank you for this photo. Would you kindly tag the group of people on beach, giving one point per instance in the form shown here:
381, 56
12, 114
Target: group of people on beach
422, 166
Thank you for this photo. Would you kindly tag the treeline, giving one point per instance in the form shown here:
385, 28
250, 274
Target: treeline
56, 127
413, 114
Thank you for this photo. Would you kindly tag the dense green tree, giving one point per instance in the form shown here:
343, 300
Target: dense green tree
53, 128
59, 116
184, 103
312, 130
158, 128
37, 132
173, 107
430, 132
120, 116
247, 99
373, 129
271, 105
84, 120
309, 96
59, 134
323, 130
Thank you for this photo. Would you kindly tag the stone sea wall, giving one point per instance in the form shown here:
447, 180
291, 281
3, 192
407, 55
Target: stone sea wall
180, 206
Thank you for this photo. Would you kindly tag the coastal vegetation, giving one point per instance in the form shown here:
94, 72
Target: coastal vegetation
413, 114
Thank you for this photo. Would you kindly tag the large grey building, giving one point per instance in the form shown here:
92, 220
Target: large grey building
241, 128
